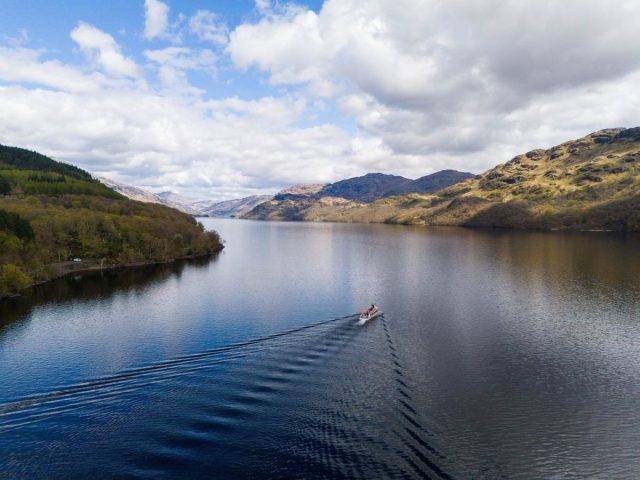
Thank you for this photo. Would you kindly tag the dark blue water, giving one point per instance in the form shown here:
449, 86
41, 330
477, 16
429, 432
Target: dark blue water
500, 355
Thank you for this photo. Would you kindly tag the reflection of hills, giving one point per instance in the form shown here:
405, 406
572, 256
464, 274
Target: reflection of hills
91, 286
571, 261
443, 266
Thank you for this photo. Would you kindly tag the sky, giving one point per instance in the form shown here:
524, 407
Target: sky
221, 99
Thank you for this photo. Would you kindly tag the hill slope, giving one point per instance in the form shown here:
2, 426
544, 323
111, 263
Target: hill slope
131, 192
52, 213
430, 183
366, 188
305, 189
592, 183
234, 208
179, 202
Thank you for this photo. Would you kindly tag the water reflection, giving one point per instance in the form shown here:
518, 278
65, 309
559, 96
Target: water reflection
93, 286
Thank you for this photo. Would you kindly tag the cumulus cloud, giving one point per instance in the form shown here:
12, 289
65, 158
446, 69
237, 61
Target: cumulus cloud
288, 46
163, 139
26, 65
450, 77
173, 63
156, 18
101, 48
207, 26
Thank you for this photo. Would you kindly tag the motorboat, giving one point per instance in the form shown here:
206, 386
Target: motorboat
369, 314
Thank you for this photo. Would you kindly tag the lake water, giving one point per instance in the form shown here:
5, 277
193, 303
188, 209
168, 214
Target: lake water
500, 355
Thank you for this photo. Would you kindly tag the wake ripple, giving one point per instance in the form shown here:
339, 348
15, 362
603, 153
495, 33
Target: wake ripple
319, 401
414, 433
43, 405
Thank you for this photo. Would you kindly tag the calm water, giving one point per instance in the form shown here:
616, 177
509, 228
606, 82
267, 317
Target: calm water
500, 355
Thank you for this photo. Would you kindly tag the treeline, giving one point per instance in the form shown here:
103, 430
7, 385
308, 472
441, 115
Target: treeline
39, 232
34, 183
52, 216
23, 159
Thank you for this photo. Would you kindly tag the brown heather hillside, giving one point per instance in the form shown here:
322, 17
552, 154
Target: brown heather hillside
592, 183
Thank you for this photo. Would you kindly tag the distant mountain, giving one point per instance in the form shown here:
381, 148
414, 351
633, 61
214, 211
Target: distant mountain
180, 202
170, 199
430, 183
233, 208
204, 208
292, 203
303, 189
133, 193
366, 188
592, 183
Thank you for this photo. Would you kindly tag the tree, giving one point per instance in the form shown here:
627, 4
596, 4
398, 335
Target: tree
15, 224
12, 279
5, 186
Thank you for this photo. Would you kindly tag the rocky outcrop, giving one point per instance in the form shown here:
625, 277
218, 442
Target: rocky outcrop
303, 189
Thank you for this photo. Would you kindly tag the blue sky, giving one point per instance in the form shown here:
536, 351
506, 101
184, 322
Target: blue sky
222, 99
48, 25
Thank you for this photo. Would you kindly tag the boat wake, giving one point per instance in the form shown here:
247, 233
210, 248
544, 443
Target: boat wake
141, 376
318, 401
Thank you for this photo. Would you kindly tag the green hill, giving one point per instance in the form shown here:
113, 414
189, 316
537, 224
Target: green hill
55, 218
592, 183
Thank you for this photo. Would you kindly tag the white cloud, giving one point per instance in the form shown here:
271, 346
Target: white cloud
18, 40
207, 26
173, 63
101, 48
183, 58
25, 65
263, 6
165, 140
288, 46
451, 79
156, 18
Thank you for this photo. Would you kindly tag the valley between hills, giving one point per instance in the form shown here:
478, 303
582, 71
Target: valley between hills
52, 213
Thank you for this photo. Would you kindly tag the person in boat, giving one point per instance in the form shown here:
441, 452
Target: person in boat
372, 309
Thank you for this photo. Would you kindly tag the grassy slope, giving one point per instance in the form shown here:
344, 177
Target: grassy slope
70, 215
589, 183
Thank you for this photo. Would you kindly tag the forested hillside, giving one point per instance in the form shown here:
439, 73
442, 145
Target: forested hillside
55, 218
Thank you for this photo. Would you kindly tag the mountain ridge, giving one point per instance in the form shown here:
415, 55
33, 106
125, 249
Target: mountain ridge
431, 183
289, 204
589, 183
366, 188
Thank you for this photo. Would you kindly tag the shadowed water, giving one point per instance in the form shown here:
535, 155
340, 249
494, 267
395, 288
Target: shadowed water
499, 355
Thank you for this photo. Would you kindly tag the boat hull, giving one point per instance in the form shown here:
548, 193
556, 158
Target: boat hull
364, 319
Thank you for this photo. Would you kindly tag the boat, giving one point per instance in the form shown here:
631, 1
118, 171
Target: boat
368, 315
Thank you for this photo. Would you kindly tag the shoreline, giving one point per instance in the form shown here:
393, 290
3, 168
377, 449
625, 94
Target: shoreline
569, 229
115, 267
